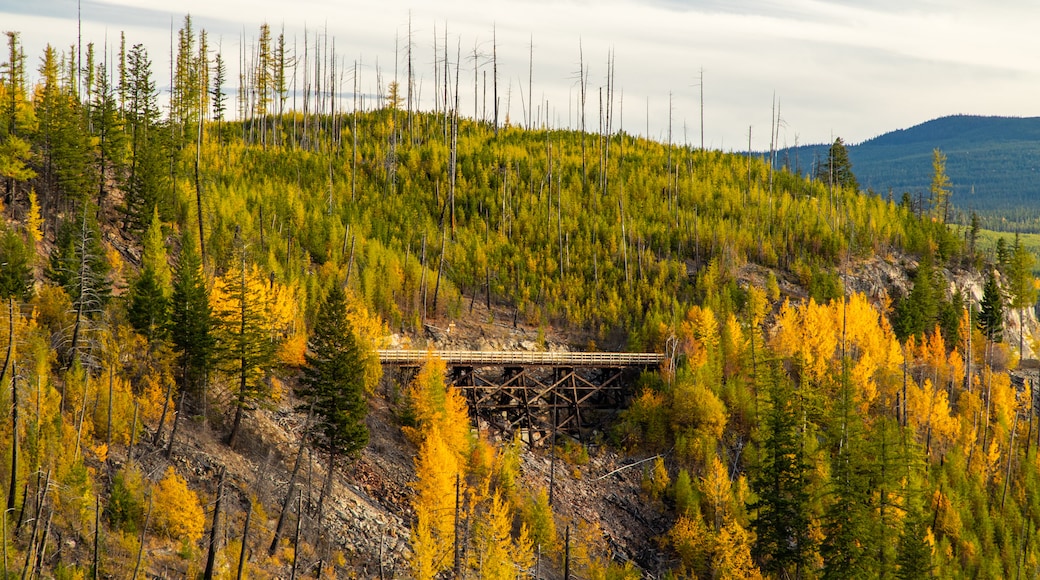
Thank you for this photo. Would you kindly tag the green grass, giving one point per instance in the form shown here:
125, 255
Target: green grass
987, 244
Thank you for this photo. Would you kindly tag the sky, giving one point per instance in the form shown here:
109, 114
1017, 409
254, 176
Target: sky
853, 69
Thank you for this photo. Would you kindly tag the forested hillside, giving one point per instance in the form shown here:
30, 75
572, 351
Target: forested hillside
192, 271
991, 163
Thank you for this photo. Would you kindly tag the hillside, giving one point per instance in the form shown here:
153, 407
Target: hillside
193, 304
991, 162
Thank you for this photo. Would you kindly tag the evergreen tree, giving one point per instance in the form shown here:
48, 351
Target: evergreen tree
847, 548
61, 136
991, 314
1003, 255
13, 82
16, 270
147, 174
1021, 284
184, 102
14, 117
836, 171
191, 320
973, 233
939, 190
918, 312
78, 262
333, 380
784, 544
914, 555
218, 97
108, 128
149, 298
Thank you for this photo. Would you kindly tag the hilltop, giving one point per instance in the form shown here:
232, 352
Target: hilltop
991, 162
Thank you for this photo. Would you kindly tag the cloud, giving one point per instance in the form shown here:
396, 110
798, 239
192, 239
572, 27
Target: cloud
854, 68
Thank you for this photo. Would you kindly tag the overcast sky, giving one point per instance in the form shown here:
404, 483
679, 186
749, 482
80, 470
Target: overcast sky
847, 68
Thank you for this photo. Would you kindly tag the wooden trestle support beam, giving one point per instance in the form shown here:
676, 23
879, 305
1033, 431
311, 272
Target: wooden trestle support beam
536, 399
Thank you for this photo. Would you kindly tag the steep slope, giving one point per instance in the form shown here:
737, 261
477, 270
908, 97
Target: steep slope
163, 277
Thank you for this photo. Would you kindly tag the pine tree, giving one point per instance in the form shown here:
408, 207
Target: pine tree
61, 136
1021, 285
218, 97
784, 544
14, 149
149, 298
333, 380
918, 312
914, 555
1003, 254
78, 264
147, 174
973, 234
991, 314
184, 105
16, 275
191, 320
939, 190
13, 82
108, 128
836, 171
847, 548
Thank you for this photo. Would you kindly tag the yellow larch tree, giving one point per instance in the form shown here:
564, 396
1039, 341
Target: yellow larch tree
370, 334
496, 556
734, 344
699, 335
732, 556
693, 542
716, 489
434, 501
433, 403
177, 511
424, 560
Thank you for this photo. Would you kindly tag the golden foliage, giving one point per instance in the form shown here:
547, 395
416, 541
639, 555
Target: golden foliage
696, 407
732, 555
716, 489
436, 471
370, 334
699, 335
692, 541
656, 480
34, 221
424, 559
177, 513
497, 556
930, 415
538, 516
280, 303
122, 408
433, 404
292, 349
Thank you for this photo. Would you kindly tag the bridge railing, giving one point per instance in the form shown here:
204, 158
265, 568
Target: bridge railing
525, 358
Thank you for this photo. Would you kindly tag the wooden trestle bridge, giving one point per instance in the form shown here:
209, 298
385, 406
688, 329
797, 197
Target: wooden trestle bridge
537, 393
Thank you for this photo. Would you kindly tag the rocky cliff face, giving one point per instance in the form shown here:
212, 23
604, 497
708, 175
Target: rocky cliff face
882, 279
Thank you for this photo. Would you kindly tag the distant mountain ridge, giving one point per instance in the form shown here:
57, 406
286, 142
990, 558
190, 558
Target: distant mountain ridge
992, 162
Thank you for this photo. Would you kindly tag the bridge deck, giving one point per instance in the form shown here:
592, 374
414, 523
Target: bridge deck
478, 358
